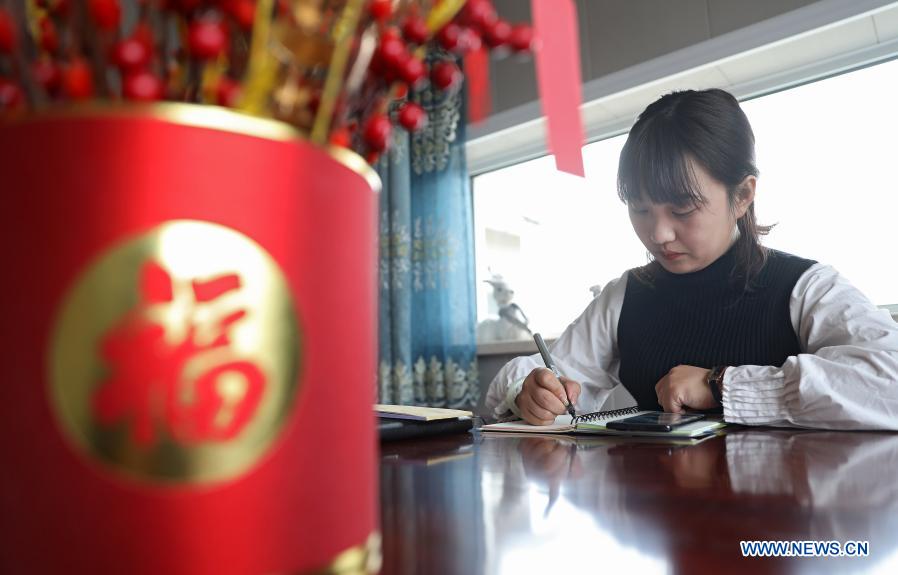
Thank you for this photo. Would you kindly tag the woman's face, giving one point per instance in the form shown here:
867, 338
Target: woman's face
687, 239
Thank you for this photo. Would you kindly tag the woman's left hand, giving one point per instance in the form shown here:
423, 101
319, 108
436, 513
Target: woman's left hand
685, 386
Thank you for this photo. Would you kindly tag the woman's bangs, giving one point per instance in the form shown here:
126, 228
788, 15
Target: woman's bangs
655, 167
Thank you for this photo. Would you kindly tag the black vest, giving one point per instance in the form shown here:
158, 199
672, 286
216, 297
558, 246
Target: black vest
704, 319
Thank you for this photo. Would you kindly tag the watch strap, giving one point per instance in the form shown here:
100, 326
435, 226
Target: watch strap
715, 379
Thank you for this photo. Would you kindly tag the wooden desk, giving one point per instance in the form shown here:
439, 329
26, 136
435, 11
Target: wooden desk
491, 504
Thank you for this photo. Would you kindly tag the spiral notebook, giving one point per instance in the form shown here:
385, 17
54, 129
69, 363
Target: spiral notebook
595, 423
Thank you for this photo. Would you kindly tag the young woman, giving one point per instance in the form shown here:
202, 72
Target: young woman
715, 319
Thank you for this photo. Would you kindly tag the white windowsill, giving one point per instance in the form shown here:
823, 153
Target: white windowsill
519, 347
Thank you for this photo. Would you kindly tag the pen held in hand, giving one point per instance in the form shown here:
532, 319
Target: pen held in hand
550, 363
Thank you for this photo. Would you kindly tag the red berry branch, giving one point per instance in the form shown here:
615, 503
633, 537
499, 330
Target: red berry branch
332, 63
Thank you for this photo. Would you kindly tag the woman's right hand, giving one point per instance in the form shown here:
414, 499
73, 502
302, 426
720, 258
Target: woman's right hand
542, 397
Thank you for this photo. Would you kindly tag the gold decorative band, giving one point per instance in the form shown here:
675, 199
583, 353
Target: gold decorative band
355, 163
209, 117
362, 559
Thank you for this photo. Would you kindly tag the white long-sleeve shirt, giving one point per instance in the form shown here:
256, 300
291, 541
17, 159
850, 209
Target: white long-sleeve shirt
846, 376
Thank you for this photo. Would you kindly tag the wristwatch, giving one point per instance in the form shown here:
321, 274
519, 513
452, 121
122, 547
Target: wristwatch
715, 382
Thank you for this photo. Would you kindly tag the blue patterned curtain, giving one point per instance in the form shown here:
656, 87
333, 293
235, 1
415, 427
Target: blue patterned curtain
427, 301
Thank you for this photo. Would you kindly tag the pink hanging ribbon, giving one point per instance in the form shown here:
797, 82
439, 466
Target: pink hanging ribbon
477, 77
558, 76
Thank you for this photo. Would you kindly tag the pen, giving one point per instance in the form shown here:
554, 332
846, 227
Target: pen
550, 363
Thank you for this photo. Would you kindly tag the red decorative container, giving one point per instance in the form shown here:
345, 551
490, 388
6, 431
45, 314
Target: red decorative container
189, 311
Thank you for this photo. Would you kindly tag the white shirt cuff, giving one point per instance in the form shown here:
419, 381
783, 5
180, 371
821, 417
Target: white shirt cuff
753, 398
508, 403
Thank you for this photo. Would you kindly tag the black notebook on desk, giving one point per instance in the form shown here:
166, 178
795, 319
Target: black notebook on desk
393, 429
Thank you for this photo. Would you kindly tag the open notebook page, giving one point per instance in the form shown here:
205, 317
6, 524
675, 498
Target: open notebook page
562, 425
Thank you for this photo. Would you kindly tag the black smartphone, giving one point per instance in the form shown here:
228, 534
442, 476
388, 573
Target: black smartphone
653, 421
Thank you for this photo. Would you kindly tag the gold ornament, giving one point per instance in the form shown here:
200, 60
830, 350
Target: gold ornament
175, 355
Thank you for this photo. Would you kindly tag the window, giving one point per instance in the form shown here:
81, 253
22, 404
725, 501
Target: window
826, 152
548, 233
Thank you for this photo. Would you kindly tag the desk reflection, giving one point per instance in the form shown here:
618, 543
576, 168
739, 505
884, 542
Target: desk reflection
542, 504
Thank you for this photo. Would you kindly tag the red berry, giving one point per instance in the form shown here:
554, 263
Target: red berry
413, 71
47, 74
131, 55
341, 137
142, 86
445, 75
415, 30
11, 95
393, 53
227, 93
497, 33
380, 10
243, 12
8, 35
521, 39
412, 117
77, 80
184, 6
479, 13
391, 33
207, 39
106, 13
377, 132
448, 36
468, 41
49, 39
144, 34
60, 8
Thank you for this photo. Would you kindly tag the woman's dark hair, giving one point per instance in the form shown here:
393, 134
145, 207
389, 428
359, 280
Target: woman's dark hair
707, 127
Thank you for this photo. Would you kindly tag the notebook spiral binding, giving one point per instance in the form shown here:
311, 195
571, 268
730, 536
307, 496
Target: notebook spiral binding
599, 415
